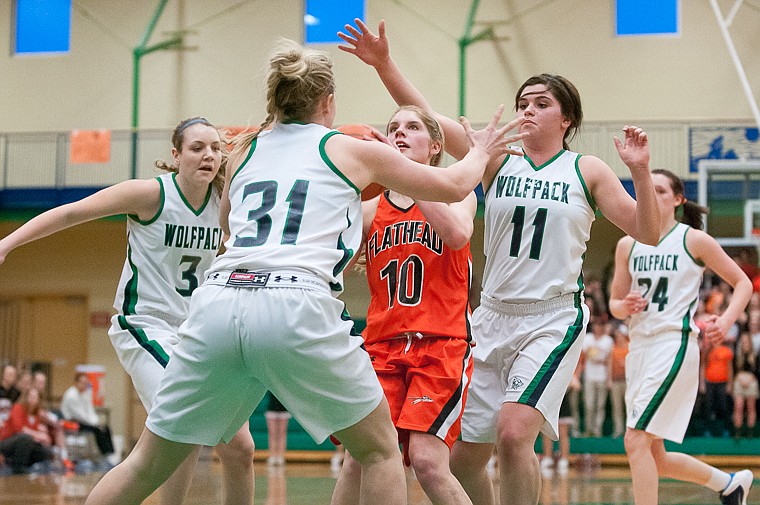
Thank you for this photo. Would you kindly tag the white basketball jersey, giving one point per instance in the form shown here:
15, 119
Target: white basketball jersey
537, 223
292, 208
669, 279
168, 255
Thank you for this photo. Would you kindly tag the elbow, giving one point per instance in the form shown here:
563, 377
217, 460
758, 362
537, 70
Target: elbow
457, 242
649, 237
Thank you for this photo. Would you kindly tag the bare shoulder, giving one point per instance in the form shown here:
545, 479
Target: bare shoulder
625, 245
591, 166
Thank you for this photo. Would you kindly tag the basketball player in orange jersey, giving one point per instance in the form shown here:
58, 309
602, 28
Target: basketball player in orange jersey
418, 326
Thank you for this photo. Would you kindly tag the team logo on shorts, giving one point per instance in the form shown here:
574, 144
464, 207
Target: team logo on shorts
516, 383
420, 399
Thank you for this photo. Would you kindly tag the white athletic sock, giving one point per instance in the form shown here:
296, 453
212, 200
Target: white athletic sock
719, 480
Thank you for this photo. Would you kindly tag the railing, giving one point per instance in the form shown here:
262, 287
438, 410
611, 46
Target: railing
41, 160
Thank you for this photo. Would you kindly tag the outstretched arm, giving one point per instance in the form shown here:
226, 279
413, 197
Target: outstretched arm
452, 222
136, 197
638, 218
374, 51
366, 162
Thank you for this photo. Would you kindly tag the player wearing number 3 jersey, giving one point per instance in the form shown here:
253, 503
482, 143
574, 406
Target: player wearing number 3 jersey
173, 235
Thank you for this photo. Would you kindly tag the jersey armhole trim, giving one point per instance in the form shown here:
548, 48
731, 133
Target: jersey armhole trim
631, 251
697, 262
589, 197
330, 164
160, 207
490, 184
248, 157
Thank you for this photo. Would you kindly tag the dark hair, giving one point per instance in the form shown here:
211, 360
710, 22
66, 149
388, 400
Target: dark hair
566, 94
178, 138
692, 212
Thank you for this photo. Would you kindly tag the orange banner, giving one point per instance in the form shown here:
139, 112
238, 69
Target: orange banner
90, 146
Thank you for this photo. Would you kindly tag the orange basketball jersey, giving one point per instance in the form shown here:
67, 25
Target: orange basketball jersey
417, 283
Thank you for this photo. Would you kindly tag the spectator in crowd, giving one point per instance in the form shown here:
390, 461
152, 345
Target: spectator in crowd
594, 290
40, 383
597, 352
277, 417
616, 379
25, 438
716, 383
564, 423
76, 405
753, 324
745, 386
747, 261
24, 382
8, 389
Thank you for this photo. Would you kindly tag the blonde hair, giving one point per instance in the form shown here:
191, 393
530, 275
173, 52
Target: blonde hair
178, 138
297, 79
431, 125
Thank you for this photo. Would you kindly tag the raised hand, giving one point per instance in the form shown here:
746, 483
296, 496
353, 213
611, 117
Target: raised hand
370, 48
634, 148
491, 139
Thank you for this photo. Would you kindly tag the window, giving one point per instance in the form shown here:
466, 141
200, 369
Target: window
647, 17
42, 27
324, 18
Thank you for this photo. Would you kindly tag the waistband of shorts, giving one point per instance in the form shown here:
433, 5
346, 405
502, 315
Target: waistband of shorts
243, 278
528, 309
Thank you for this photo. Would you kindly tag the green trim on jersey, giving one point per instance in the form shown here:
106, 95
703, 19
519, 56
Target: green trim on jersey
631, 251
153, 347
160, 207
329, 162
695, 260
537, 386
659, 396
490, 184
347, 252
545, 164
248, 157
130, 287
589, 196
184, 200
666, 235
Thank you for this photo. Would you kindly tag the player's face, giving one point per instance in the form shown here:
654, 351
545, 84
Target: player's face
410, 136
201, 154
667, 201
541, 112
